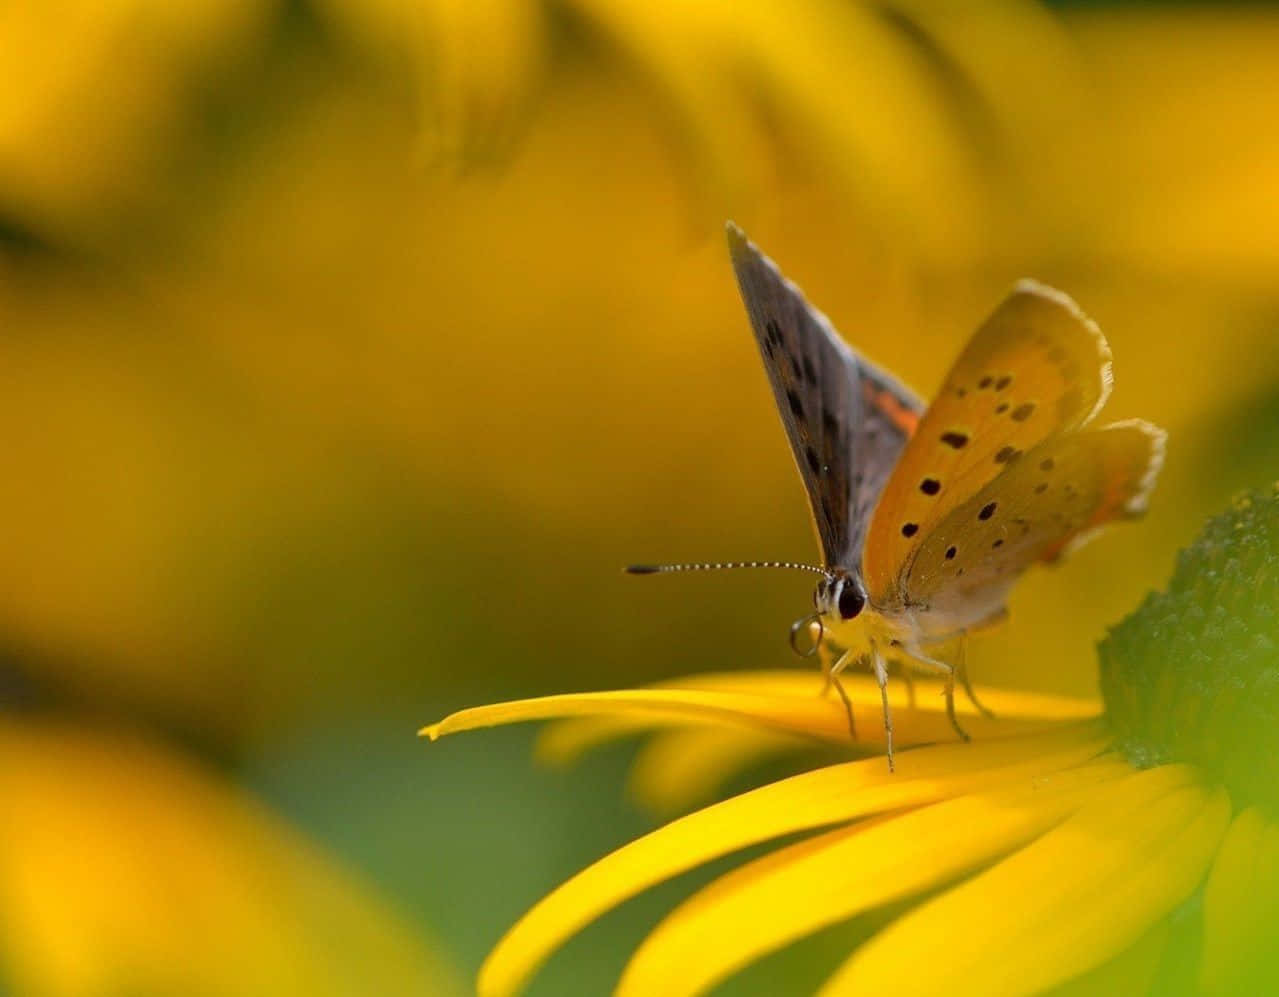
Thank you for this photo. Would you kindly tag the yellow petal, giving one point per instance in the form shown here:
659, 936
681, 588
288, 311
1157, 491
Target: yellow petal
784, 896
565, 741
679, 769
808, 715
865, 690
1241, 907
653, 704
1131, 972
821, 797
1073, 899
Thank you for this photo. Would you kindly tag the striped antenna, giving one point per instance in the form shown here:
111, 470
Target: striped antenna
666, 569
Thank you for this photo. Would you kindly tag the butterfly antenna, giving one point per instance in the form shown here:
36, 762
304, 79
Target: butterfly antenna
666, 569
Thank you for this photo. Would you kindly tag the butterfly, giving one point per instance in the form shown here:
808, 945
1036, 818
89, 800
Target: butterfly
927, 516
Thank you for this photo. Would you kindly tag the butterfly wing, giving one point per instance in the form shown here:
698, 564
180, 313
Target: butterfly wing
1037, 368
846, 420
1055, 498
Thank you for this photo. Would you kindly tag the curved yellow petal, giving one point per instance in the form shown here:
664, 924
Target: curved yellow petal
1131, 972
809, 715
678, 769
1010, 703
814, 799
768, 903
657, 705
563, 742
1064, 904
1241, 908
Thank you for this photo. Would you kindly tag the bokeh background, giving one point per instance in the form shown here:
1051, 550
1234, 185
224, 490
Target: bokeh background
348, 349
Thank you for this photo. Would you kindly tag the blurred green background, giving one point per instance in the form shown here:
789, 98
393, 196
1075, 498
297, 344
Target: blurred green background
349, 349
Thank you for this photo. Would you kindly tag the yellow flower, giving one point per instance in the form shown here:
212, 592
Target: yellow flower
1053, 851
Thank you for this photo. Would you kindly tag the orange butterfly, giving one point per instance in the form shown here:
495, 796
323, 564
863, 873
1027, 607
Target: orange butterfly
926, 518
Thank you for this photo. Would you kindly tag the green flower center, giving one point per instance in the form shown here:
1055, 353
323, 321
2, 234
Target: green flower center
1193, 674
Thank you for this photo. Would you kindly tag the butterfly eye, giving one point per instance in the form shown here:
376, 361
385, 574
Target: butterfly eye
851, 602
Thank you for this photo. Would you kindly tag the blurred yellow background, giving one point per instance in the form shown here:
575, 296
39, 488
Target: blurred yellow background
349, 349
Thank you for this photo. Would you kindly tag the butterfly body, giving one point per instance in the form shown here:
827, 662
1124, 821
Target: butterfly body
879, 633
850, 620
927, 516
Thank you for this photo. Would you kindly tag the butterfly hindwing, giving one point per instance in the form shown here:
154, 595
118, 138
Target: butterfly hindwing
846, 420
1058, 495
1035, 369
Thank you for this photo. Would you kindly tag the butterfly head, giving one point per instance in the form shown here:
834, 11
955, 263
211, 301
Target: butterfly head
840, 596
839, 599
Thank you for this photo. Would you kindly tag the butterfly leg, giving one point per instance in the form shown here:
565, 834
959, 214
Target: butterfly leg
828, 668
848, 705
832, 678
948, 671
961, 668
950, 706
881, 676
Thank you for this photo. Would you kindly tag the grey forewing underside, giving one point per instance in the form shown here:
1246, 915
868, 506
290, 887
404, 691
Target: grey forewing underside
844, 446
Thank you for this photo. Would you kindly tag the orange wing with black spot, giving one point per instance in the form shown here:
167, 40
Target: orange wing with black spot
1037, 368
1054, 498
